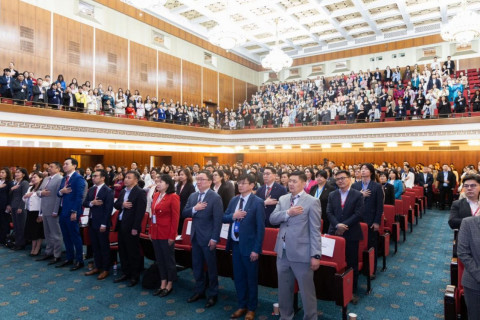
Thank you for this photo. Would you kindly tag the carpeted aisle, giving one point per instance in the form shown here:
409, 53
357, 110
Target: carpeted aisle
411, 288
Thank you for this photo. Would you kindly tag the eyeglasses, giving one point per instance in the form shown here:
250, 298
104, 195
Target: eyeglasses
340, 179
95, 175
466, 186
201, 179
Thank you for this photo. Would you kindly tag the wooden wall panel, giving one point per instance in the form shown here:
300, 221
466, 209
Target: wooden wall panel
191, 83
111, 60
73, 50
472, 63
25, 37
225, 90
143, 70
169, 77
251, 89
210, 86
239, 92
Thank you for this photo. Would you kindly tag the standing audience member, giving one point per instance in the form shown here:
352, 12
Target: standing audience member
225, 190
184, 189
388, 189
34, 225
468, 206
298, 256
6, 184
425, 180
100, 201
397, 184
163, 231
446, 183
246, 216
321, 191
132, 203
270, 192
17, 207
205, 209
345, 212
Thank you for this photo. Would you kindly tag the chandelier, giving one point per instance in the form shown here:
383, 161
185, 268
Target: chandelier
463, 28
276, 59
225, 36
145, 4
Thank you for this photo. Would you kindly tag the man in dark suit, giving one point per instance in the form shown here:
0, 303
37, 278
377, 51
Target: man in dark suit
19, 89
388, 189
40, 93
446, 182
5, 83
270, 192
100, 201
70, 196
321, 191
246, 215
205, 209
449, 65
345, 212
373, 205
468, 206
132, 203
425, 180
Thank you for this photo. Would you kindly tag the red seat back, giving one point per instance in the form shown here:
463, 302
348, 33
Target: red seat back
389, 212
398, 206
185, 237
114, 220
222, 244
363, 245
269, 240
338, 260
145, 220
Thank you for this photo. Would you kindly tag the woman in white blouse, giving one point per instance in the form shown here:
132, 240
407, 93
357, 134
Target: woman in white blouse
92, 106
408, 177
34, 224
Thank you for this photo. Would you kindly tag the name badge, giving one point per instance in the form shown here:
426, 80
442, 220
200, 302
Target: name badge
154, 219
236, 227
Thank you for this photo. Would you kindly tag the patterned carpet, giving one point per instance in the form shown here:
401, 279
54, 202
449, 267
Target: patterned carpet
411, 288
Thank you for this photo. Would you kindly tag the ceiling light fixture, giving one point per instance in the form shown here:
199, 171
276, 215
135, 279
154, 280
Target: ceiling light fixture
145, 4
270, 147
346, 145
287, 146
417, 144
305, 146
463, 28
474, 142
368, 145
276, 59
392, 144
326, 145
225, 35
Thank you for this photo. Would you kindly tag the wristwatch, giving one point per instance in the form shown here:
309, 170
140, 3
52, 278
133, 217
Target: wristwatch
317, 256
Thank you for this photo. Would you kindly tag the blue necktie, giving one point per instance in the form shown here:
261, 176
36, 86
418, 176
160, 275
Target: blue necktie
236, 225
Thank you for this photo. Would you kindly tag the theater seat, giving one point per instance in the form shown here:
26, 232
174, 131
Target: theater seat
383, 243
391, 226
183, 247
113, 237
366, 256
454, 299
224, 259
409, 208
267, 261
401, 217
414, 205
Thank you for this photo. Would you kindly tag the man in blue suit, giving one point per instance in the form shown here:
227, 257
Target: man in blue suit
373, 204
5, 83
345, 212
246, 215
270, 192
100, 201
206, 210
70, 197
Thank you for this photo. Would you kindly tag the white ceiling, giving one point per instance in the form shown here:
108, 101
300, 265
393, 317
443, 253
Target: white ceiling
309, 27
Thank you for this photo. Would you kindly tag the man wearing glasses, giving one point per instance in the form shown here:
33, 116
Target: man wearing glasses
345, 212
468, 206
270, 192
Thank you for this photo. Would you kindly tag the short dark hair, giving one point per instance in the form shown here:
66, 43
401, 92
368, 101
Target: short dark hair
272, 169
8, 173
135, 173
475, 177
103, 173
169, 181
74, 161
208, 174
343, 171
322, 173
383, 173
249, 177
301, 175
57, 164
395, 173
370, 168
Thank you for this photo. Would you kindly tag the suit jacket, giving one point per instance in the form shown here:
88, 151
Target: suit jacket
49, 204
226, 192
72, 201
389, 192
167, 216
468, 250
302, 232
67, 98
460, 209
252, 227
5, 86
132, 218
206, 223
276, 192
55, 96
36, 94
100, 215
187, 190
327, 189
421, 180
351, 214
16, 201
452, 66
19, 93
452, 180
5, 196
373, 205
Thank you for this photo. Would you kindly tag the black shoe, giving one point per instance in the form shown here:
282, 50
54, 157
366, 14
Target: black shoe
121, 279
54, 261
165, 292
132, 283
195, 297
211, 302
64, 264
77, 266
45, 258
158, 292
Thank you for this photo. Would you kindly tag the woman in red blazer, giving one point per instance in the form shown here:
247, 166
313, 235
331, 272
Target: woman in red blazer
163, 231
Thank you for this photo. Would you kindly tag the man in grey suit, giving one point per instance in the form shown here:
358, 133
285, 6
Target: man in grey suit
205, 207
48, 206
298, 246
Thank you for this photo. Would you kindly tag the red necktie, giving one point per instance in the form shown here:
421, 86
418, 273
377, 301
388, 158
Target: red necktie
95, 193
268, 192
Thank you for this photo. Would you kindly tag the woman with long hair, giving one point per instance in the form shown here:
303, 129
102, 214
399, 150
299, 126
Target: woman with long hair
6, 184
17, 206
34, 224
184, 189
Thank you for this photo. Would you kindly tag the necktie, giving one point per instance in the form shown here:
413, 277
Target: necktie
65, 186
200, 196
236, 225
292, 200
95, 193
267, 194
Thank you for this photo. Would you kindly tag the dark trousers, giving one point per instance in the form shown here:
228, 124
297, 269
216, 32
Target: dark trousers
129, 252
101, 247
5, 219
19, 221
429, 194
373, 243
165, 257
445, 192
351, 255
245, 274
202, 255
472, 300
71, 237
